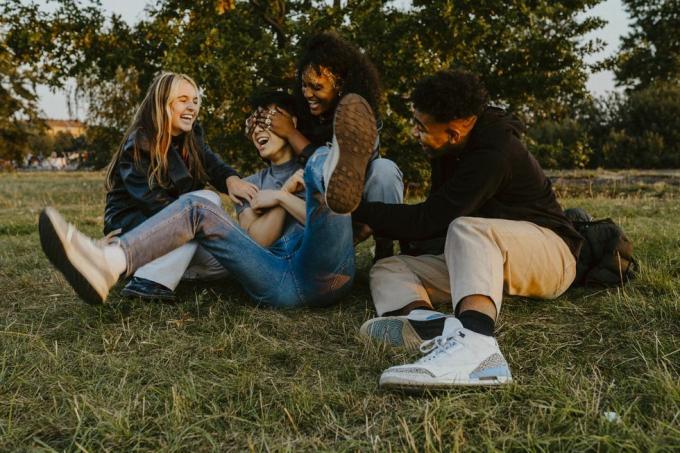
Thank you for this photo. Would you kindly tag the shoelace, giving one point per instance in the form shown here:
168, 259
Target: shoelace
434, 347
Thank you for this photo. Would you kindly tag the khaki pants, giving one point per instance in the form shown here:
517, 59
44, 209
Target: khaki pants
482, 256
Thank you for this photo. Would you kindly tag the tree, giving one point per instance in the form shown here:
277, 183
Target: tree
644, 129
530, 55
651, 51
18, 104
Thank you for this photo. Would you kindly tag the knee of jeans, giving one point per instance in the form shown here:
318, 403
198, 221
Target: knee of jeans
384, 171
209, 195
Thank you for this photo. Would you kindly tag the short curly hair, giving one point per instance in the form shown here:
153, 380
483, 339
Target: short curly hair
450, 95
346, 61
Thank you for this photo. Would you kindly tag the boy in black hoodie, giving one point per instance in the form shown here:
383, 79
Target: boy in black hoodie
504, 230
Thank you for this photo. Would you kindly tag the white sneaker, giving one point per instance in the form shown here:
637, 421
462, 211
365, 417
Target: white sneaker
405, 331
458, 357
79, 258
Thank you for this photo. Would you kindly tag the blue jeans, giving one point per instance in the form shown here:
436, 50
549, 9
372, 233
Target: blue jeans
313, 266
384, 182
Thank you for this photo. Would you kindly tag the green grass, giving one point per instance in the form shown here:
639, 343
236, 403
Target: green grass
214, 372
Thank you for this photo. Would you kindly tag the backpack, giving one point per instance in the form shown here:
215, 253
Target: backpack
606, 257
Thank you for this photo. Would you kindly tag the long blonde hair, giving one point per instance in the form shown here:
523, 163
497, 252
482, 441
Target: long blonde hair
151, 127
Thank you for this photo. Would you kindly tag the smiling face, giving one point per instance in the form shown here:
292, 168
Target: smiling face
271, 147
438, 138
320, 89
184, 106
431, 134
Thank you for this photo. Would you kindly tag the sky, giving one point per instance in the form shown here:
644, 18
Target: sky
54, 104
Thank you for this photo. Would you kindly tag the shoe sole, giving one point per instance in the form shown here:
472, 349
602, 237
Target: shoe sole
355, 132
414, 385
54, 249
140, 295
394, 331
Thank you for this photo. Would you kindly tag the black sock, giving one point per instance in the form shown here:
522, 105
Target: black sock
477, 322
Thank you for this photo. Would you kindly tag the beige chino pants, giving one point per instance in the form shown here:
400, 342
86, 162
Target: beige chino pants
482, 256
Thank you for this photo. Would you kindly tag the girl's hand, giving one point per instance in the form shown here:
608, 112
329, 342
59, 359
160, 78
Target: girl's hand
278, 121
295, 183
265, 199
241, 190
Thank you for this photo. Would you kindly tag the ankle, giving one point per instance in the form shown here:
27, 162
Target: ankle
115, 259
477, 322
415, 305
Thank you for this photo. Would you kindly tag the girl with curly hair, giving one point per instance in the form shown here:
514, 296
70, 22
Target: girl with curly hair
328, 69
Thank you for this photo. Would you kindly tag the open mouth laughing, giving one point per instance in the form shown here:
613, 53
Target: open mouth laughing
262, 139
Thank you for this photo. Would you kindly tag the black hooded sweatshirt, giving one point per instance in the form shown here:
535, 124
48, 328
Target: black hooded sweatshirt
493, 176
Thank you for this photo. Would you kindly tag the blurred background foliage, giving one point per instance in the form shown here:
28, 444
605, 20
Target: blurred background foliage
529, 53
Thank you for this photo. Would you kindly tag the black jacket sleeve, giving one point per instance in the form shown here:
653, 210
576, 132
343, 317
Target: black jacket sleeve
135, 180
477, 178
217, 170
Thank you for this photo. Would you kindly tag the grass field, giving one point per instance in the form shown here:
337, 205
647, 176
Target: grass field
214, 372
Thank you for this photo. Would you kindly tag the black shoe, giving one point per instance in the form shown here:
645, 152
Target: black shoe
147, 289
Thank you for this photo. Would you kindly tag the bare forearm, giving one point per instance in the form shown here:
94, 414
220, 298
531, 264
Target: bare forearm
294, 206
297, 141
267, 228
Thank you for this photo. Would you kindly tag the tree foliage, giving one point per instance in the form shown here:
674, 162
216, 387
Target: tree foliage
19, 113
529, 53
644, 129
651, 51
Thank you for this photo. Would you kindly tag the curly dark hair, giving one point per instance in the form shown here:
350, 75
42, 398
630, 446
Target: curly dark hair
450, 95
346, 61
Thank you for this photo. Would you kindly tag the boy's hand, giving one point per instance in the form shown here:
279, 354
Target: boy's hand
295, 183
265, 199
240, 190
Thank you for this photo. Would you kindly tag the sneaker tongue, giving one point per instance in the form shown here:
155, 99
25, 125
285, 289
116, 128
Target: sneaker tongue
451, 326
424, 315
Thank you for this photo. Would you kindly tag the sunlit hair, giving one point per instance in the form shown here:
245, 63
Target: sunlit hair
151, 128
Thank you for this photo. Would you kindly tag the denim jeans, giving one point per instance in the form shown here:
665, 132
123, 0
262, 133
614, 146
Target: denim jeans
384, 182
313, 266
186, 262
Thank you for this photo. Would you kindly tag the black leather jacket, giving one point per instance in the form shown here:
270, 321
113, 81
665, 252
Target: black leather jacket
131, 201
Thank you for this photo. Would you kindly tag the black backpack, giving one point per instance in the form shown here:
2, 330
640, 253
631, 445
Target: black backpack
606, 257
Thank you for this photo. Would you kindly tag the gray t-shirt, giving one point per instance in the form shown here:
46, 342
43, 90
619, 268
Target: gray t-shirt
273, 178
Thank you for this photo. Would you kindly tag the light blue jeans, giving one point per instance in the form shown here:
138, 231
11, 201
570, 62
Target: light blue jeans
313, 266
384, 182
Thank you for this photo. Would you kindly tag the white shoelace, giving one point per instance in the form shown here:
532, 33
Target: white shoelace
436, 346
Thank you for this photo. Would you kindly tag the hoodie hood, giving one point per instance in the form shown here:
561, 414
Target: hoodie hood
493, 124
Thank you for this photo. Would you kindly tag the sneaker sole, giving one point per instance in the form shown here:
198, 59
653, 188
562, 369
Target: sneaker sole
54, 249
355, 132
395, 331
415, 385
